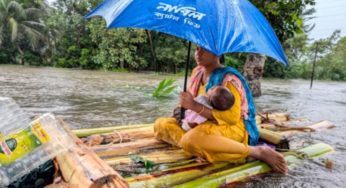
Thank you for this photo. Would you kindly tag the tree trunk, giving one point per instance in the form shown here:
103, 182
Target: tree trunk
21, 58
152, 50
174, 70
121, 64
253, 72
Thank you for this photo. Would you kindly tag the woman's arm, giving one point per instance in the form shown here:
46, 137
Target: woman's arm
230, 116
233, 115
187, 102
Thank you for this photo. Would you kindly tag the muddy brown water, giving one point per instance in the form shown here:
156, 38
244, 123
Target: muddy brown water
97, 98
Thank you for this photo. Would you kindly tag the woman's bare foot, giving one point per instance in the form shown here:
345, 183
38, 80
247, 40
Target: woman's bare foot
274, 159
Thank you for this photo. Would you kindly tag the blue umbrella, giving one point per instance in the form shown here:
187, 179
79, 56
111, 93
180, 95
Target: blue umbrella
220, 26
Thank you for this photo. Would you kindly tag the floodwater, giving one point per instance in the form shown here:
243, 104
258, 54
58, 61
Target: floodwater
95, 98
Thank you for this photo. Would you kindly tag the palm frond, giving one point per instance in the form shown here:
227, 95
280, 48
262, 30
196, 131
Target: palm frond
34, 24
33, 35
3, 11
308, 15
14, 29
3, 6
309, 12
34, 12
16, 9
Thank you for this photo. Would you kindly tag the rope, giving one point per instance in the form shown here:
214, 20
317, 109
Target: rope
90, 141
120, 137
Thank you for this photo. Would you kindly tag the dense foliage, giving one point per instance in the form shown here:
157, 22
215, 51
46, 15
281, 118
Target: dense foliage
35, 33
23, 34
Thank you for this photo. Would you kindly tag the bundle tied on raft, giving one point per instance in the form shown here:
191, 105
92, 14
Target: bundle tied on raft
81, 167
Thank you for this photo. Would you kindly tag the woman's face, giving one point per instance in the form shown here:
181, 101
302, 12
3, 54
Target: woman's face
203, 57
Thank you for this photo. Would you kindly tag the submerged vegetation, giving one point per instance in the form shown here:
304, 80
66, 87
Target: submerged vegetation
41, 34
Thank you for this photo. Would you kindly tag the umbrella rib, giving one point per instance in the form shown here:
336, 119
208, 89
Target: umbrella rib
213, 39
119, 10
242, 25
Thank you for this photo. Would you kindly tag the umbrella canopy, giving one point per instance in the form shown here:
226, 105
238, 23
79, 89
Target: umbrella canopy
219, 26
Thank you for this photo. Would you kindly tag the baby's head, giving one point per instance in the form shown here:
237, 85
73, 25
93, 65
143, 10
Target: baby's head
220, 98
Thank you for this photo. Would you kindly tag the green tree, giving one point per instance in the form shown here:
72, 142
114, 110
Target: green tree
301, 53
332, 65
72, 46
20, 29
286, 17
89, 44
117, 48
172, 52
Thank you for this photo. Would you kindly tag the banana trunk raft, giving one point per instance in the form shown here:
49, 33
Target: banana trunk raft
130, 156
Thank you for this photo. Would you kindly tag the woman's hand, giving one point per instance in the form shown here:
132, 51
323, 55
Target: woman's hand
177, 114
186, 100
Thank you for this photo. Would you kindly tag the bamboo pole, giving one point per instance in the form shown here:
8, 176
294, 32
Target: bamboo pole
160, 157
280, 117
178, 168
80, 166
170, 178
271, 136
268, 126
111, 152
87, 170
273, 117
258, 120
277, 136
107, 151
251, 169
315, 127
118, 136
101, 130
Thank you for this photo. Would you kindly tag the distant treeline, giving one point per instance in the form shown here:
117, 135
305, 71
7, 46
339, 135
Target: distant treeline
35, 33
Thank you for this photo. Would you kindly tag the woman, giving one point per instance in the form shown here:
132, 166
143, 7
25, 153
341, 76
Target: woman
224, 137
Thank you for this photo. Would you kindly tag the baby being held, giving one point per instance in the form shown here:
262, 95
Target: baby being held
218, 97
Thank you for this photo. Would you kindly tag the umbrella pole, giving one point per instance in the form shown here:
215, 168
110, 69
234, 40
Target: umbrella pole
186, 74
187, 66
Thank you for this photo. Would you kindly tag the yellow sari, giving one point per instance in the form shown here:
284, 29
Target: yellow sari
226, 140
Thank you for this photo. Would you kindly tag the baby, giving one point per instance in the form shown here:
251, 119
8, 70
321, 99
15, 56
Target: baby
218, 97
